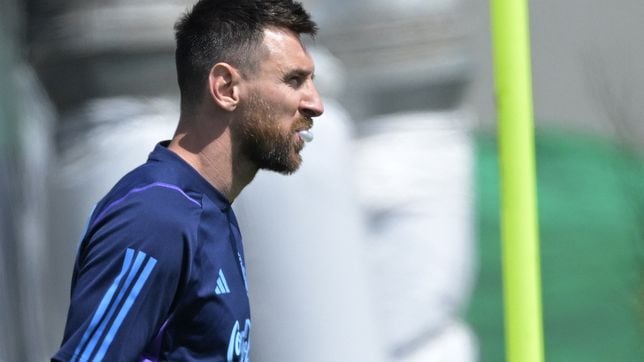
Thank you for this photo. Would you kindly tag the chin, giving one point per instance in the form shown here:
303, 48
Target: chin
285, 168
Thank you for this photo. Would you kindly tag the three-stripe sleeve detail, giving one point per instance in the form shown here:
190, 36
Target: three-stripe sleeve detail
114, 306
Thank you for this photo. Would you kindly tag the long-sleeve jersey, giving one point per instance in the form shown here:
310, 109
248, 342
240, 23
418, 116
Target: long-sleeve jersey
160, 272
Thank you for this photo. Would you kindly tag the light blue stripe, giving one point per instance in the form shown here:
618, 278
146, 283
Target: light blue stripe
87, 352
100, 311
126, 308
223, 280
220, 286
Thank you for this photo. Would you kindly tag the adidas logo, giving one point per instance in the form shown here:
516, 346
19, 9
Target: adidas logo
222, 284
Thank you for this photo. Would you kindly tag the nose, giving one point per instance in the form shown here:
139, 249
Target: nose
311, 104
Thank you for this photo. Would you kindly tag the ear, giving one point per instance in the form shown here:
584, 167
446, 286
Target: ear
223, 86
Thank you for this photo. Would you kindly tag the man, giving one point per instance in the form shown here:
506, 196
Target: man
160, 270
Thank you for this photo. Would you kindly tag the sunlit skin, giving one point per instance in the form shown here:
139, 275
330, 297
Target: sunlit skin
247, 121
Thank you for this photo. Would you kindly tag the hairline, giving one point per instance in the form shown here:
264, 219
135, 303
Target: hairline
260, 50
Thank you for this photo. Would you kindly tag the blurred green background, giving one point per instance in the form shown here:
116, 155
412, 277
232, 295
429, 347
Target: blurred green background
591, 211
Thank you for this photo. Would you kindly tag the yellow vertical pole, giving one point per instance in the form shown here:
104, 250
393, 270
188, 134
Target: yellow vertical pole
519, 230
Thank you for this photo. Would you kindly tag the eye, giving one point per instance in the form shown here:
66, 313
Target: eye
295, 81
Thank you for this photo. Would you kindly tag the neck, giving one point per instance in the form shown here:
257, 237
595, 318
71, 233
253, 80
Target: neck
210, 150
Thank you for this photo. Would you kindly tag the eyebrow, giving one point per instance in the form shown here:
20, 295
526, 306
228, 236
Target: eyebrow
299, 73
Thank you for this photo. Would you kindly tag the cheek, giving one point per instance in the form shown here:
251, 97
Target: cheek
285, 103
278, 107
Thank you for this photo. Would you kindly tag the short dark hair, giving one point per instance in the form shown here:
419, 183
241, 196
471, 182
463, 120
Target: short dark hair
228, 31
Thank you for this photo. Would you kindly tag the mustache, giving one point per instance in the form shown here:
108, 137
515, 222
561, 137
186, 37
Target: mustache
303, 122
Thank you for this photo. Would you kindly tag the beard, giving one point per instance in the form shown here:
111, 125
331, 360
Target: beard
264, 143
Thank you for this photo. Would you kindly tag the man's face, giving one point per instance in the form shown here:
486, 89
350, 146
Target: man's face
281, 101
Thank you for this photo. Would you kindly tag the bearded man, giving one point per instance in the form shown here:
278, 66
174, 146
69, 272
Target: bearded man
160, 271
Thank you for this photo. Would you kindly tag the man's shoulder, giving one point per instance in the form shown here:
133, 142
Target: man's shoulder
145, 194
145, 213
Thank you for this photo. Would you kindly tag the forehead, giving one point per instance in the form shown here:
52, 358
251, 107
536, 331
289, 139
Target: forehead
284, 52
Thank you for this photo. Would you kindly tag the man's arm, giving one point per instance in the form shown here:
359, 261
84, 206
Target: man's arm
127, 275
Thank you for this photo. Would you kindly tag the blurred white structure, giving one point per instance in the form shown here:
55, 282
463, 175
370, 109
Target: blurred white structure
415, 182
407, 68
26, 122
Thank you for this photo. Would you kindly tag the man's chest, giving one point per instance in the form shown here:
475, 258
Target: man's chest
213, 319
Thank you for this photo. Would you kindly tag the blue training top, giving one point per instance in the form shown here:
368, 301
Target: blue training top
160, 272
